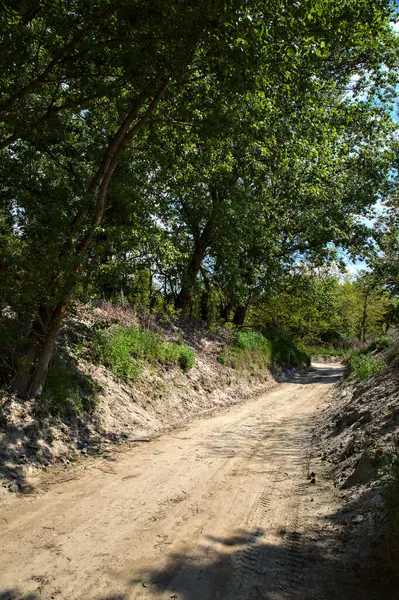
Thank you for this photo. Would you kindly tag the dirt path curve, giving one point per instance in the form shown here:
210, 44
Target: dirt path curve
221, 508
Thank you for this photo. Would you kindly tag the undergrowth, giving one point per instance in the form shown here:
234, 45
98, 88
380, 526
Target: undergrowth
68, 391
326, 351
365, 365
253, 350
124, 349
381, 344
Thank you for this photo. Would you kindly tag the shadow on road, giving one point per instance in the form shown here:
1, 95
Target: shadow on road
244, 567
322, 374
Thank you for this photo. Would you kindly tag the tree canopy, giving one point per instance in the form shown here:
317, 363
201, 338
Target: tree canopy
201, 149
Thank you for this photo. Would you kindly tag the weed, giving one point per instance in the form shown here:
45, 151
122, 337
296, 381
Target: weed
252, 350
186, 358
364, 365
124, 349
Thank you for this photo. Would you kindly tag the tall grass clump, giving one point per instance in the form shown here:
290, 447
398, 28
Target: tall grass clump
364, 365
253, 341
125, 349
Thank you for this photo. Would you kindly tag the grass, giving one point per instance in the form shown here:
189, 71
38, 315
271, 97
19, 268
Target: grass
325, 351
124, 349
252, 350
363, 366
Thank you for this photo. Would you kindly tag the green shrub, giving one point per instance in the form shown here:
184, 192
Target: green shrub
252, 340
67, 391
124, 349
364, 365
222, 358
325, 351
390, 490
383, 342
186, 358
252, 350
285, 352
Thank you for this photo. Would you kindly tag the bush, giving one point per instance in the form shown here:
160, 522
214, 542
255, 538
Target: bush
67, 391
222, 358
286, 353
381, 344
390, 490
253, 350
124, 349
364, 365
252, 340
325, 351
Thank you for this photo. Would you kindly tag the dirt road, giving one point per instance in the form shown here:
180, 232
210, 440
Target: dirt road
221, 508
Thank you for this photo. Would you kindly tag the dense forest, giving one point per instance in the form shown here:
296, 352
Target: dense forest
221, 161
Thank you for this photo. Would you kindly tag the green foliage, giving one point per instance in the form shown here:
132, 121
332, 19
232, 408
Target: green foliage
150, 149
252, 349
381, 343
221, 358
390, 490
325, 351
319, 309
68, 391
186, 358
285, 352
363, 366
252, 340
124, 349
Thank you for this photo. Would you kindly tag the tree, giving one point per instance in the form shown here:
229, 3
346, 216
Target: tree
81, 85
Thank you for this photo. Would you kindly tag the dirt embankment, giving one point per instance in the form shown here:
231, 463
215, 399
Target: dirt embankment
360, 425
357, 433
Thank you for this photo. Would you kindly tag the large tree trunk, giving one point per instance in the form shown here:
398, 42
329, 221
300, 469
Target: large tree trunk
201, 244
21, 381
226, 310
32, 369
47, 350
240, 314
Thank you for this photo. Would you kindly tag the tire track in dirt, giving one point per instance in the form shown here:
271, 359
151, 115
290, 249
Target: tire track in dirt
250, 561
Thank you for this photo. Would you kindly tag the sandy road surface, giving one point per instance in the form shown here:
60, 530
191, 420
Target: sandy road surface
221, 508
